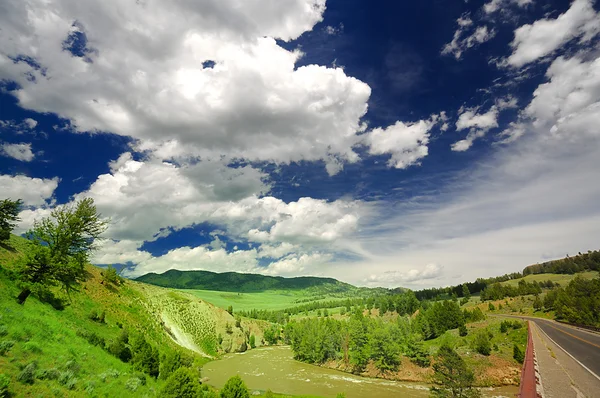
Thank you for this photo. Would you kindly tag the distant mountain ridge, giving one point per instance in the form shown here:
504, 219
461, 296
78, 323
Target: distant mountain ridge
240, 282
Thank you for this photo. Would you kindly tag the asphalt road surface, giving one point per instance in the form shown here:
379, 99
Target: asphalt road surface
584, 346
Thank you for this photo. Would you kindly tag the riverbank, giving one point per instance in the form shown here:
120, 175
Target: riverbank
491, 371
274, 368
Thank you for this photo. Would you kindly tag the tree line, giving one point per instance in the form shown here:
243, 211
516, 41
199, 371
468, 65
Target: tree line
464, 289
498, 291
578, 302
589, 261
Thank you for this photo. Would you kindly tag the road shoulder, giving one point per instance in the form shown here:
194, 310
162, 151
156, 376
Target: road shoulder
561, 376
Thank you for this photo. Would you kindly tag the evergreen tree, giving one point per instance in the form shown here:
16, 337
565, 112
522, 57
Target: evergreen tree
235, 388
452, 377
182, 383
465, 291
145, 357
384, 351
9, 216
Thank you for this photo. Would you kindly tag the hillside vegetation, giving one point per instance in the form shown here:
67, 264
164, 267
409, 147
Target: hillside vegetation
237, 282
93, 340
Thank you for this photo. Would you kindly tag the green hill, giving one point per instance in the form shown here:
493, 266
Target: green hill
242, 283
58, 345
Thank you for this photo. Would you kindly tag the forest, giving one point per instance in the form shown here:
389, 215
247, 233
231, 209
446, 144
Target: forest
589, 261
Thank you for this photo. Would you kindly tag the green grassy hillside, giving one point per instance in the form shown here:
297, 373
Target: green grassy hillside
46, 351
244, 283
561, 279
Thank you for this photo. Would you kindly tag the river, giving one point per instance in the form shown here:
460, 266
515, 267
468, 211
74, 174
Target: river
274, 368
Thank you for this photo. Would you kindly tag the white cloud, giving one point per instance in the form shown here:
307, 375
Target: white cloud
461, 43
513, 132
25, 126
20, 151
405, 142
143, 197
195, 258
252, 104
31, 123
544, 36
568, 104
148, 199
33, 191
278, 251
478, 123
208, 258
496, 5
398, 278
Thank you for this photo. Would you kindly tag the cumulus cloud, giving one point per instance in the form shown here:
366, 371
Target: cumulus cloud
206, 257
461, 41
20, 151
33, 191
151, 198
398, 278
544, 36
499, 5
568, 103
208, 77
477, 123
27, 125
405, 142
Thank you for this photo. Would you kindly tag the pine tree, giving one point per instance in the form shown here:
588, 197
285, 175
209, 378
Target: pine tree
452, 377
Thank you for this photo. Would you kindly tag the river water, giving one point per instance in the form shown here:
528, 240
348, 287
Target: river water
274, 368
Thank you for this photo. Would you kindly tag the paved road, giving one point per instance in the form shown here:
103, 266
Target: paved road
584, 346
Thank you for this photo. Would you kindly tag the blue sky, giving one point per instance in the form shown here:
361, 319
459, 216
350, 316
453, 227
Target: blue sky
381, 143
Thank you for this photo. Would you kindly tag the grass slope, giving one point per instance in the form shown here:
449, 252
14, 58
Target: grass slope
562, 279
51, 339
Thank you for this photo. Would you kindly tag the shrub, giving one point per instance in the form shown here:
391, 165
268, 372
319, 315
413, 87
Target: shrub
5, 346
110, 276
269, 394
517, 325
119, 347
73, 366
169, 363
252, 341
491, 307
462, 330
133, 384
340, 395
3, 330
235, 388
89, 388
32, 347
481, 343
145, 357
65, 376
182, 383
518, 354
109, 373
228, 329
4, 386
96, 316
48, 374
27, 375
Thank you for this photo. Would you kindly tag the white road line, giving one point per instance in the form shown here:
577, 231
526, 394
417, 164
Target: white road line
566, 352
